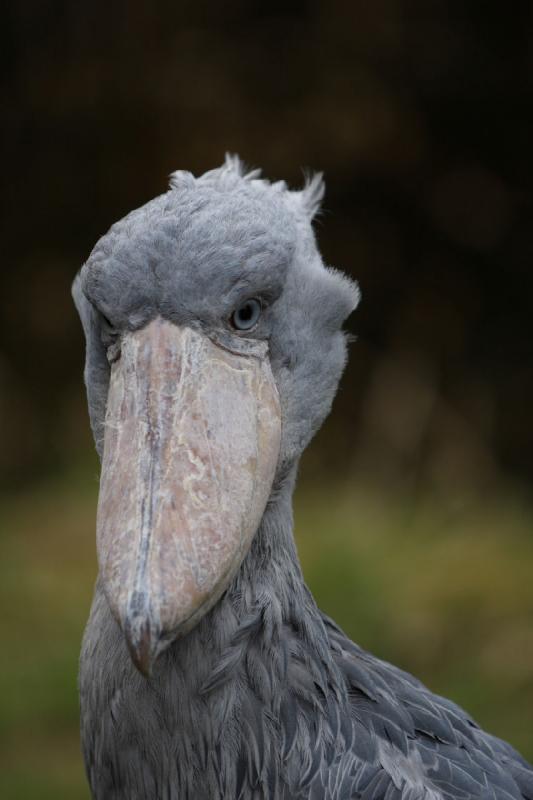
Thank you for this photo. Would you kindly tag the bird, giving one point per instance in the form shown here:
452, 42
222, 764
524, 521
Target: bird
214, 348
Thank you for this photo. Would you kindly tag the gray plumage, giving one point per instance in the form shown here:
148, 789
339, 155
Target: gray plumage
265, 697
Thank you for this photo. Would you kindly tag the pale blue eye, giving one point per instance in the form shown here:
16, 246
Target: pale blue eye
246, 315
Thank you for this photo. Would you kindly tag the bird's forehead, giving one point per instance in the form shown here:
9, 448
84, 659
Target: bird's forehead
190, 245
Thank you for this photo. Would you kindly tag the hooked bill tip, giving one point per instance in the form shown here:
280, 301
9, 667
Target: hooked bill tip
141, 635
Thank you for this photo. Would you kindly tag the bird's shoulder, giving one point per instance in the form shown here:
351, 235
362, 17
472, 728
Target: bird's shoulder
406, 742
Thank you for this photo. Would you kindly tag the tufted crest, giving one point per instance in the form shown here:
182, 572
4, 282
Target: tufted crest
234, 172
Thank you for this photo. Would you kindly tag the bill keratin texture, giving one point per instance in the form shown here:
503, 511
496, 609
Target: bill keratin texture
191, 446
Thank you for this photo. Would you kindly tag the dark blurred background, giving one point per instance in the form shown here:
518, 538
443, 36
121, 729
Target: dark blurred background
419, 113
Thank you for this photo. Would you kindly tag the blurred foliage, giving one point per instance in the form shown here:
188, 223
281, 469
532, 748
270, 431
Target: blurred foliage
445, 595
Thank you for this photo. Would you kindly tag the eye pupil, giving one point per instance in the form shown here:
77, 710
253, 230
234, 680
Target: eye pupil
246, 315
246, 312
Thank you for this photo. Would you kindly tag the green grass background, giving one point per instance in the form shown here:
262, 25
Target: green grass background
446, 593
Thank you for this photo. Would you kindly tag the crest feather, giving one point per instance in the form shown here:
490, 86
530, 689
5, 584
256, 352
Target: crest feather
233, 163
181, 179
312, 194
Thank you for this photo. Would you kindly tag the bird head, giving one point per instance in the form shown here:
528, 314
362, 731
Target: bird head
214, 349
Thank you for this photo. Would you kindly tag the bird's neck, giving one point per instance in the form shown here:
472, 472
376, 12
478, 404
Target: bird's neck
268, 598
273, 558
272, 567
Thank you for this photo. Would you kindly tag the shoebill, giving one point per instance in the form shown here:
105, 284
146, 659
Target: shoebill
214, 348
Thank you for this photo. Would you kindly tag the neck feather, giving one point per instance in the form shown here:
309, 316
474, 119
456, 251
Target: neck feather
267, 603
